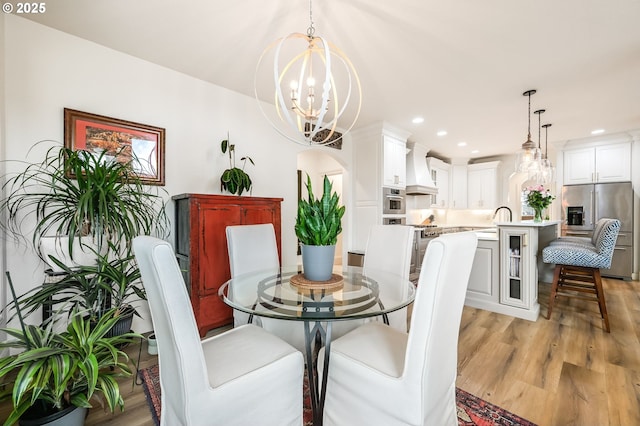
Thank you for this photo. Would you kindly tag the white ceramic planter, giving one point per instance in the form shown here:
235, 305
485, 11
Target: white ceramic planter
152, 344
84, 254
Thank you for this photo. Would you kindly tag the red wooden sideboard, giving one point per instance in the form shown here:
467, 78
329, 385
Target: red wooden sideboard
201, 246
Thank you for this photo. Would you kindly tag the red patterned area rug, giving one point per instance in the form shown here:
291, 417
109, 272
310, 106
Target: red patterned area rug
472, 411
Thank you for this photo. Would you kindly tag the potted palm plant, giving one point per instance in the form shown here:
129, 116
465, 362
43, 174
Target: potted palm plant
318, 224
112, 285
59, 373
83, 203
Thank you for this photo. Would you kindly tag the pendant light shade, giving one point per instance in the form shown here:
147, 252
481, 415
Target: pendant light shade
529, 157
312, 83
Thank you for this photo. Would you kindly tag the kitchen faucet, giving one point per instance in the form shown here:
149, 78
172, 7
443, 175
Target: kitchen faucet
504, 207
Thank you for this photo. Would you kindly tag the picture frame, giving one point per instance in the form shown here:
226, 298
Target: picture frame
123, 140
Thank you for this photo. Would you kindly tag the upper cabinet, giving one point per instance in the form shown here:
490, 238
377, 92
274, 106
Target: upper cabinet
440, 176
482, 185
458, 186
462, 186
394, 162
604, 163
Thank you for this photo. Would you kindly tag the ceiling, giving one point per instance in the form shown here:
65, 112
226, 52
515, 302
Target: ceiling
461, 64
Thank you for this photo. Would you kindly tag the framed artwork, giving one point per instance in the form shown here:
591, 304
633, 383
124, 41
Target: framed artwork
125, 141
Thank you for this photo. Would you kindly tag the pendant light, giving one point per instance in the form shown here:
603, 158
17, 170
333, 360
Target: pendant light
312, 83
529, 155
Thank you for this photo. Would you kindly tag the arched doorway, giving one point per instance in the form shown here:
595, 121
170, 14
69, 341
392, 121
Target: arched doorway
317, 163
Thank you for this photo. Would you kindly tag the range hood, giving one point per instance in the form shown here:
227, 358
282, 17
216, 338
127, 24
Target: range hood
419, 180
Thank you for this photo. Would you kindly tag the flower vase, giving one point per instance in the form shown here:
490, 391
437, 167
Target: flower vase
537, 217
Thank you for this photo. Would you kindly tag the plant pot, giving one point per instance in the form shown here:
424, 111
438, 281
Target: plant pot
84, 253
317, 262
70, 416
123, 325
152, 344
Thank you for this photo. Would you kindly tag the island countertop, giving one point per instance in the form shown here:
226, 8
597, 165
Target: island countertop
530, 223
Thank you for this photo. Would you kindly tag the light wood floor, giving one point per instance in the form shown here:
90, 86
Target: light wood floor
563, 371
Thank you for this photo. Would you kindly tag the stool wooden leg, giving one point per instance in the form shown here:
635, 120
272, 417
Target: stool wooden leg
600, 293
554, 289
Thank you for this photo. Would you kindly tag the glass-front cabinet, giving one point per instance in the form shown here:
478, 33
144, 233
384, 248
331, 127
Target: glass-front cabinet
519, 280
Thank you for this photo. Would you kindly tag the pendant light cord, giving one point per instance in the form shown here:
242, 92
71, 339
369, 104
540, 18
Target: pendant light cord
539, 112
529, 117
546, 138
539, 128
311, 30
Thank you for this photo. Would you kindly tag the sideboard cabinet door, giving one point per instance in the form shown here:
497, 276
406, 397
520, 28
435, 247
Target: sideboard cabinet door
201, 246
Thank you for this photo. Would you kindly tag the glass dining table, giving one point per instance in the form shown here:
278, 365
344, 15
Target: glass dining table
284, 294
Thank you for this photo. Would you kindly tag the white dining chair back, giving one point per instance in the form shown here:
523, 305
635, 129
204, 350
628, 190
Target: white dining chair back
227, 379
253, 248
389, 249
379, 375
432, 347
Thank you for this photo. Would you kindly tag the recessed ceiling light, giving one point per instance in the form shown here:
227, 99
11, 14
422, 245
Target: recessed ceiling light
597, 132
462, 144
475, 151
417, 120
442, 133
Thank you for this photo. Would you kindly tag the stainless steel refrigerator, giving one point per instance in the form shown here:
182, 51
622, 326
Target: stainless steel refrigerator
584, 205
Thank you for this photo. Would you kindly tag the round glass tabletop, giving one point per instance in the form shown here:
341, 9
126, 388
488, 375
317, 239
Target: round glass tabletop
285, 294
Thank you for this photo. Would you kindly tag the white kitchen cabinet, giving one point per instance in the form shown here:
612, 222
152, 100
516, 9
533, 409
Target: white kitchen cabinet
482, 185
377, 150
394, 160
458, 186
483, 290
604, 163
518, 272
440, 176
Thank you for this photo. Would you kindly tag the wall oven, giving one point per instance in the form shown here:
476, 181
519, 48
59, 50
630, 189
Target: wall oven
393, 220
393, 201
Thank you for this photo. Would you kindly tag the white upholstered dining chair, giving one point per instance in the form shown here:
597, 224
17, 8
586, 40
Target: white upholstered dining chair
389, 249
379, 375
228, 379
253, 248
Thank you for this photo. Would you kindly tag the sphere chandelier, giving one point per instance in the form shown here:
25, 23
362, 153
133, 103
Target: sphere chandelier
313, 83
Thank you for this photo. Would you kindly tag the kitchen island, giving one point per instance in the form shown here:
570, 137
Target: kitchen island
508, 267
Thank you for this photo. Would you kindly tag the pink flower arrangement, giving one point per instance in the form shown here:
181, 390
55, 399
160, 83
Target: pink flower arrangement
538, 198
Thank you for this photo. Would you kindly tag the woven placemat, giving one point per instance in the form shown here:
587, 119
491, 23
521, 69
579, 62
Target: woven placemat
334, 283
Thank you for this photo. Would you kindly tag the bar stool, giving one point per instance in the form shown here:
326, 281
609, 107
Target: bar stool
577, 271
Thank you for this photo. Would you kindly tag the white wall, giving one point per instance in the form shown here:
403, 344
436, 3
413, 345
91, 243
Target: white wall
47, 70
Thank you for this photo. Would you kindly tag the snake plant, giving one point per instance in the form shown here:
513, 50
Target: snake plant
319, 221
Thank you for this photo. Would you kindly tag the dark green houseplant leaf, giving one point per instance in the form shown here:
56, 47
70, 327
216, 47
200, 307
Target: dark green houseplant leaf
319, 221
